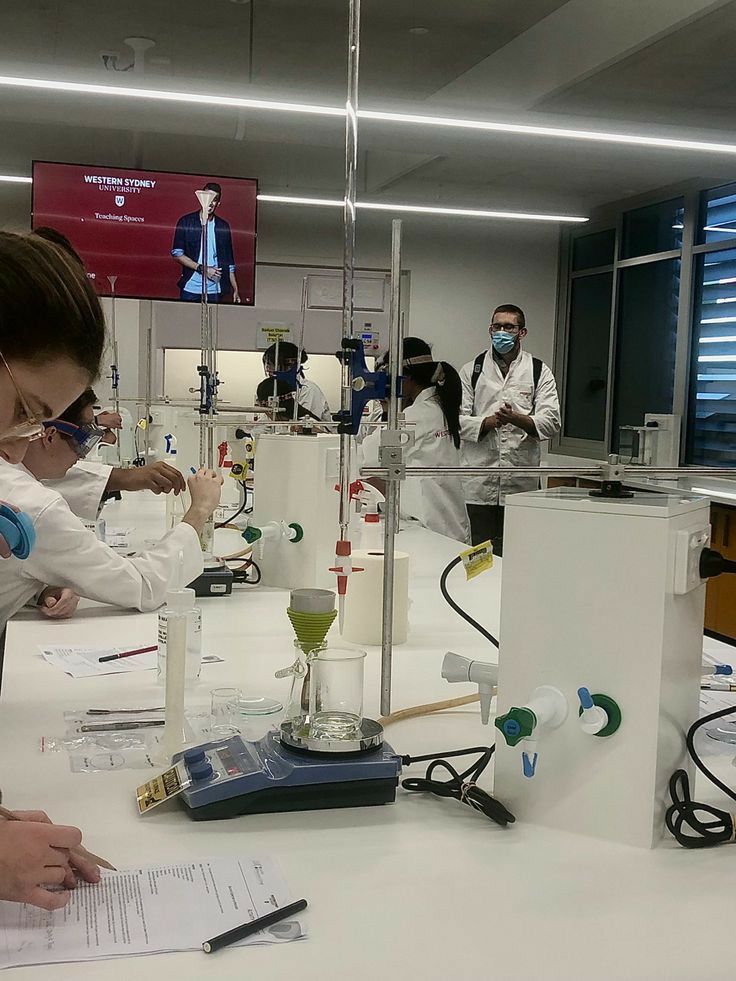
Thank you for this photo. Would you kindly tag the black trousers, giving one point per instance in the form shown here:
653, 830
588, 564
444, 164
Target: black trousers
486, 524
197, 297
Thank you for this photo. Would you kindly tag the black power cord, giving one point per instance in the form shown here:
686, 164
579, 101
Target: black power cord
242, 573
461, 786
683, 817
237, 514
458, 609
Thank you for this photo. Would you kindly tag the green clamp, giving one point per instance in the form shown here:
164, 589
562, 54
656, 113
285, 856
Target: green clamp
252, 535
299, 532
516, 724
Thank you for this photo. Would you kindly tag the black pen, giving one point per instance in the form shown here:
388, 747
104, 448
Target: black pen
254, 926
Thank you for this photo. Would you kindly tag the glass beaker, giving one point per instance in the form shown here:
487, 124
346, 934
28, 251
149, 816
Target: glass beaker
256, 716
336, 693
222, 711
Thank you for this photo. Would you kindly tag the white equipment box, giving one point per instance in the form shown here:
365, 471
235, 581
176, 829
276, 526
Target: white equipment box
295, 480
605, 595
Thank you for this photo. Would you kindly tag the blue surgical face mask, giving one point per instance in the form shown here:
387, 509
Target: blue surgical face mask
503, 342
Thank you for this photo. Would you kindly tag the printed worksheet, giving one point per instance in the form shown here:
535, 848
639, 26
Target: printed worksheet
84, 662
149, 910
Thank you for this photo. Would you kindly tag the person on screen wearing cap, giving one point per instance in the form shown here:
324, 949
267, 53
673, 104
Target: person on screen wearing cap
218, 267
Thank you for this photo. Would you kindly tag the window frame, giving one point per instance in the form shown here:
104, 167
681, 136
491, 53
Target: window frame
612, 218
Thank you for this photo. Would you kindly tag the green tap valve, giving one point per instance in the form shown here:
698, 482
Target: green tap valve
251, 535
516, 724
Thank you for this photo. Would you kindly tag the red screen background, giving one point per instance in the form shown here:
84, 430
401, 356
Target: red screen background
139, 252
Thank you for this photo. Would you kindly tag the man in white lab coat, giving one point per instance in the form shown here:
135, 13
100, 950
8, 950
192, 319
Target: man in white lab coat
510, 404
68, 561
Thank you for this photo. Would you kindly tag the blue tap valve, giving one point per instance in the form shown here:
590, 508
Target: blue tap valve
723, 669
586, 699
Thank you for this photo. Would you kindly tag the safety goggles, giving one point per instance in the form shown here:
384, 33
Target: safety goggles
84, 438
30, 428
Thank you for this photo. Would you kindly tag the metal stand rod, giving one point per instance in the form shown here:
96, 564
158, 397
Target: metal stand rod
348, 262
115, 366
149, 384
551, 471
393, 485
206, 369
300, 347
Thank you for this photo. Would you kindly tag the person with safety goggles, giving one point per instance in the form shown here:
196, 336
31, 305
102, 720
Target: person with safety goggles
67, 556
510, 405
89, 483
52, 335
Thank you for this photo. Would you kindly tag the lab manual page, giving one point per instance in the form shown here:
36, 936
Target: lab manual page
149, 910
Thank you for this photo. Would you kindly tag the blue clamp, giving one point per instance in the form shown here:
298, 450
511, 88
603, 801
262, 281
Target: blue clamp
291, 377
371, 385
18, 531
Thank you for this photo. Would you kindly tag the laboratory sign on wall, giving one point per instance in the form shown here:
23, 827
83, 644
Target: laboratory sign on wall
141, 225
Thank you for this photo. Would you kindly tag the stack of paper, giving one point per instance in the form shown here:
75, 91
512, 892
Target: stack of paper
84, 662
149, 910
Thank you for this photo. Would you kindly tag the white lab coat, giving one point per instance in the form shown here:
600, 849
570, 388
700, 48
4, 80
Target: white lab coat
507, 446
372, 412
311, 396
83, 488
436, 502
66, 554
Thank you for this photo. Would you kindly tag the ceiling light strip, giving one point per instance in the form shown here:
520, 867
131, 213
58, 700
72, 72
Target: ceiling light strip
165, 95
422, 209
480, 125
12, 179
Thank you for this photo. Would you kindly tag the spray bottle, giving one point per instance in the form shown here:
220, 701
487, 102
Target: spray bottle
181, 600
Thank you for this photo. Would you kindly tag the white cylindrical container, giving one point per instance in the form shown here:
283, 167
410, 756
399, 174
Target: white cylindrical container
364, 600
175, 671
181, 601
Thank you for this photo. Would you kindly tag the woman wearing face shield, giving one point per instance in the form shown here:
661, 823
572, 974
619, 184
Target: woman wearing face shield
430, 399
309, 394
52, 334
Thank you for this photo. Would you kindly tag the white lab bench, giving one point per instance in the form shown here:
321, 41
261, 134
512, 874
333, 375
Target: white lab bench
424, 888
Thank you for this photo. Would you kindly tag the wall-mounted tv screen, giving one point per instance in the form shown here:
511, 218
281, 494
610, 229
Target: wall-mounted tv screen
145, 228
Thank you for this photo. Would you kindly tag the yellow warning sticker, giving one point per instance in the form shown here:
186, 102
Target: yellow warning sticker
161, 789
477, 559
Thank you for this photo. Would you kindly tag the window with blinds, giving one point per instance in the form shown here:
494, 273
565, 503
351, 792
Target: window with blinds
713, 391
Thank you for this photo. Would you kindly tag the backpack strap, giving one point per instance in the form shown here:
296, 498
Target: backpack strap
477, 368
536, 375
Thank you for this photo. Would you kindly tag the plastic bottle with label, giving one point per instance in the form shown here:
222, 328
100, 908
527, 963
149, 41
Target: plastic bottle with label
181, 600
